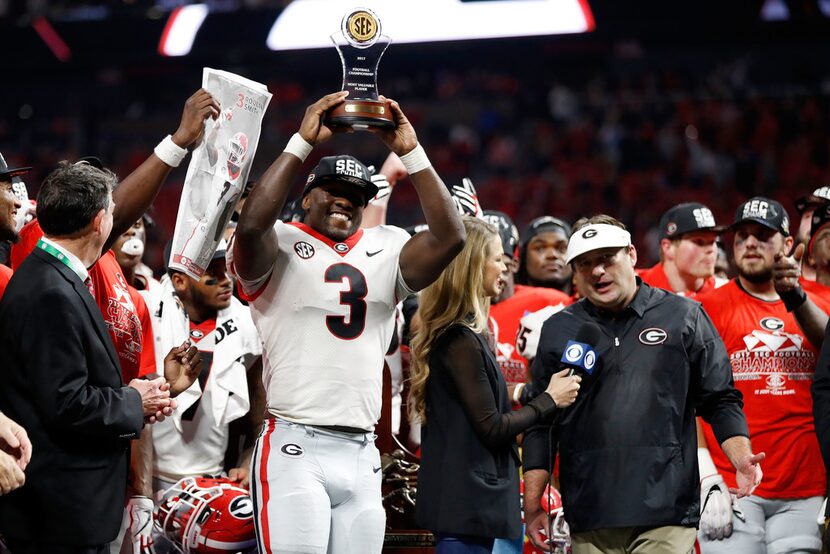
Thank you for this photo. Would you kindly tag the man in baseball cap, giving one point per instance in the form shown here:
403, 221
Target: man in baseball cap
328, 284
542, 255
9, 206
806, 206
9, 202
818, 256
639, 332
688, 251
753, 313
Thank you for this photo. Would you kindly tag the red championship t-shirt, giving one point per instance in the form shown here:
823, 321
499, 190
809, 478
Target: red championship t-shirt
504, 320
123, 308
656, 277
773, 366
5, 275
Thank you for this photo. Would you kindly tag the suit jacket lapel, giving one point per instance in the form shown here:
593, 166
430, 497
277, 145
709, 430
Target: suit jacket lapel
92, 308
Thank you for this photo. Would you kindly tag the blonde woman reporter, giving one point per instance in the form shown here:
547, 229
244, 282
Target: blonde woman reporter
468, 484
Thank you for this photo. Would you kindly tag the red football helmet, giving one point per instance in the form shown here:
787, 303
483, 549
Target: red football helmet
207, 515
552, 504
237, 150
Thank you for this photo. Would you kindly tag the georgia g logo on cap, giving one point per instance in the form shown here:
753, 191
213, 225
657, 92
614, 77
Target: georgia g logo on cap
589, 233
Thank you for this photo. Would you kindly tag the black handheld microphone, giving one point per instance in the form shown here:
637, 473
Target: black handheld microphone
580, 355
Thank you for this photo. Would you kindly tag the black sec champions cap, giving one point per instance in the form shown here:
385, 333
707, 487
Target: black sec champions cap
817, 197
766, 212
8, 173
344, 169
821, 217
687, 218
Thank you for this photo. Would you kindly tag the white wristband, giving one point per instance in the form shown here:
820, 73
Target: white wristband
416, 160
169, 152
705, 464
298, 146
517, 392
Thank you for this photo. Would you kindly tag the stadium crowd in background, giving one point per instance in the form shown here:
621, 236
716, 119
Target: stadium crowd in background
669, 157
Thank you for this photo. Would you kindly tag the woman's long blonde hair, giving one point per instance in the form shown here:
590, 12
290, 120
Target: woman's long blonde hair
457, 296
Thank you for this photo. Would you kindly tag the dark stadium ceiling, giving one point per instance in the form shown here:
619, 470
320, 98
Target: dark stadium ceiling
49, 32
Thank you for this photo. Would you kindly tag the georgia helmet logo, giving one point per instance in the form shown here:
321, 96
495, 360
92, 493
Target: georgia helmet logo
574, 352
241, 507
653, 336
589, 233
772, 324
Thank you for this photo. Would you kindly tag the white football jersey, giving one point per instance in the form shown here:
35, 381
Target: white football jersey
194, 440
326, 317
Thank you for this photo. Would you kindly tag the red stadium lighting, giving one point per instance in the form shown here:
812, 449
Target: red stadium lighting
52, 39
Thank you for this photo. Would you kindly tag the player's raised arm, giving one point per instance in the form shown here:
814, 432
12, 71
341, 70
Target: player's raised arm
425, 255
138, 190
255, 242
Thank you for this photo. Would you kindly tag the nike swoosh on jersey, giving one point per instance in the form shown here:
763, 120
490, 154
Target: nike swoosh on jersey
370, 254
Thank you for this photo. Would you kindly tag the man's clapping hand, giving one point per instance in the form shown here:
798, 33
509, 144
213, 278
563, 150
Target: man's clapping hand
15, 442
11, 476
155, 398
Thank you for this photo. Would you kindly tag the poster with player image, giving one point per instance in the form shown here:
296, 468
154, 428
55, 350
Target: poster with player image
218, 169
361, 44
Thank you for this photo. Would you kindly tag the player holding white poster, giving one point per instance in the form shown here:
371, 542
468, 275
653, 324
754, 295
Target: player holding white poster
218, 169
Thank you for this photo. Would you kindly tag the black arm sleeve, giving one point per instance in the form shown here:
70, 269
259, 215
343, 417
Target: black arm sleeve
465, 361
821, 398
717, 400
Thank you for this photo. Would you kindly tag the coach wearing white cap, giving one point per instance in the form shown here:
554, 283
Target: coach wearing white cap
628, 469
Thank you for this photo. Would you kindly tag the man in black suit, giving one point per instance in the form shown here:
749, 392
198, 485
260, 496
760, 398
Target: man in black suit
62, 382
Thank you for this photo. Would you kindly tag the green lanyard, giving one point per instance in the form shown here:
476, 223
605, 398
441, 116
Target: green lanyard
48, 248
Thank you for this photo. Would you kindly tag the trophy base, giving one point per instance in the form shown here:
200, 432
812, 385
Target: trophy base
361, 113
